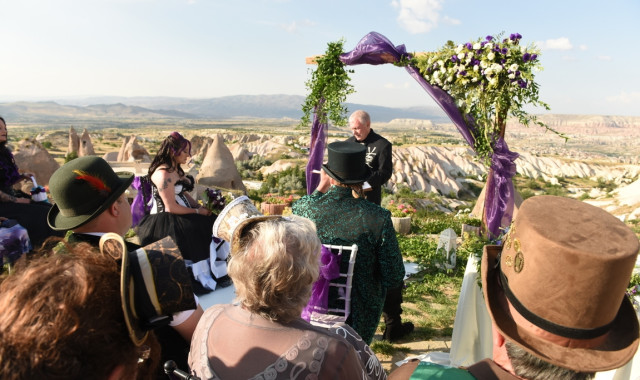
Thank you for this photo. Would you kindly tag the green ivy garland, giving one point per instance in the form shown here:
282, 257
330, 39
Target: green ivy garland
328, 88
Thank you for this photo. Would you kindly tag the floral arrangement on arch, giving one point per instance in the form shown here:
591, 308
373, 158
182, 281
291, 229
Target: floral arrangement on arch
213, 200
490, 79
277, 199
400, 210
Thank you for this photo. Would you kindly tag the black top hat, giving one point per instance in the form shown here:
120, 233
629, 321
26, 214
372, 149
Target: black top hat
82, 189
347, 162
154, 284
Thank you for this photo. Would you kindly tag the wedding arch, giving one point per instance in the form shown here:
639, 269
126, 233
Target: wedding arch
478, 85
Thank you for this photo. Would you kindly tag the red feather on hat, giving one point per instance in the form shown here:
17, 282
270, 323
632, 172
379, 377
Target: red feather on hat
93, 181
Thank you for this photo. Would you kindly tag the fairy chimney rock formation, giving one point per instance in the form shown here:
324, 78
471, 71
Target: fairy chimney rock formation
31, 157
218, 167
132, 151
86, 147
74, 141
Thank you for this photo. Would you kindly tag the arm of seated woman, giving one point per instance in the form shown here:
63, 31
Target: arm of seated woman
185, 322
165, 183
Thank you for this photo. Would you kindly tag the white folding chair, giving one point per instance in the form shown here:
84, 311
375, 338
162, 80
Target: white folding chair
343, 286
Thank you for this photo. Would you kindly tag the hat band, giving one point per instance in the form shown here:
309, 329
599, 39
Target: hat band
345, 175
554, 328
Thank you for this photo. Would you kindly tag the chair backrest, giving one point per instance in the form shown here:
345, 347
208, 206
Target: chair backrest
339, 290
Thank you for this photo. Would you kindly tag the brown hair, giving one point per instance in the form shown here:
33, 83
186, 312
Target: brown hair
61, 319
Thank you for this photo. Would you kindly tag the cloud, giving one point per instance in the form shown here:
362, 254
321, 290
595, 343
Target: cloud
583, 47
451, 21
294, 26
604, 58
631, 98
418, 16
561, 43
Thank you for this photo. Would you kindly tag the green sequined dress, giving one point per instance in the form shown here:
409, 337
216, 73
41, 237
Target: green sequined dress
342, 219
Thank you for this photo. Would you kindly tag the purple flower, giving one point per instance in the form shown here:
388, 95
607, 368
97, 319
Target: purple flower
468, 45
505, 51
483, 43
462, 73
534, 57
503, 61
476, 62
526, 57
489, 38
518, 73
454, 58
522, 83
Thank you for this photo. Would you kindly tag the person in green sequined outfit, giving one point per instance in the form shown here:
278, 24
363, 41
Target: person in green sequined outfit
343, 219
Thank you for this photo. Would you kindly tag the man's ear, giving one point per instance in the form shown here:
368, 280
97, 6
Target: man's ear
114, 208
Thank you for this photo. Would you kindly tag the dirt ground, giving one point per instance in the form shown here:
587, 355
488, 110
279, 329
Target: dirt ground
409, 348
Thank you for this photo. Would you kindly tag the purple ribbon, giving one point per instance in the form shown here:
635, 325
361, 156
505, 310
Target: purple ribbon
499, 197
140, 206
329, 270
316, 150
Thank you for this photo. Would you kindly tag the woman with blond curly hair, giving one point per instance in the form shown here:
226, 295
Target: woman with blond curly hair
274, 262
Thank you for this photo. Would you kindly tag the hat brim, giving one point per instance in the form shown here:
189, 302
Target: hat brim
333, 175
619, 346
59, 222
234, 236
114, 245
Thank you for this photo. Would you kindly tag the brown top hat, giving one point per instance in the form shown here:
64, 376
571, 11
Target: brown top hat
154, 284
346, 162
235, 217
564, 268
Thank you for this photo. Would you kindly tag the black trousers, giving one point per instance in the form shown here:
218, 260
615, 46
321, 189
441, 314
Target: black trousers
393, 307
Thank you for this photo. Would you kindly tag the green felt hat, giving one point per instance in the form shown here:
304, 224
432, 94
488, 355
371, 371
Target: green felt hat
82, 189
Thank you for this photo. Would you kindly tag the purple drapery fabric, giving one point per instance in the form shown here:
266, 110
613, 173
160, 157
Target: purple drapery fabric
140, 205
316, 151
329, 270
376, 49
499, 196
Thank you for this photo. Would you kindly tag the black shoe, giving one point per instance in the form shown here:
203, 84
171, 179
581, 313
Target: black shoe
395, 333
224, 281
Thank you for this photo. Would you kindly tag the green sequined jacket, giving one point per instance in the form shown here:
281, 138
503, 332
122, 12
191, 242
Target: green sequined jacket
342, 219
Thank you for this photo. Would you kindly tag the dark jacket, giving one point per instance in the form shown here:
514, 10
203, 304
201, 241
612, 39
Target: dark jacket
379, 161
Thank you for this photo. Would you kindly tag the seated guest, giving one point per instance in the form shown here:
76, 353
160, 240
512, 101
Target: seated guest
342, 219
61, 319
14, 242
90, 201
17, 205
274, 262
556, 295
175, 213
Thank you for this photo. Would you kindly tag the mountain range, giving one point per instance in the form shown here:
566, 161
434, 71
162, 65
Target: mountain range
227, 107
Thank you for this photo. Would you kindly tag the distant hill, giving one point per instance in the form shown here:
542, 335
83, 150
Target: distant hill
227, 107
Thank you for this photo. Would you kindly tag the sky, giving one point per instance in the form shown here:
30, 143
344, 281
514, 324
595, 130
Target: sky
213, 48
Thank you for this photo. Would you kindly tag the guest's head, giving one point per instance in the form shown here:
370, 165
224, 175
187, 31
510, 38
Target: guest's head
174, 151
61, 319
90, 197
3, 131
360, 124
274, 260
556, 290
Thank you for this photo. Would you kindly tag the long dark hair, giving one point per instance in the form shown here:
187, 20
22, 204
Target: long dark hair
171, 146
7, 163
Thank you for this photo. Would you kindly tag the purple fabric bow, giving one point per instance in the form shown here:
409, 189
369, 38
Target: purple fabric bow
141, 206
329, 270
